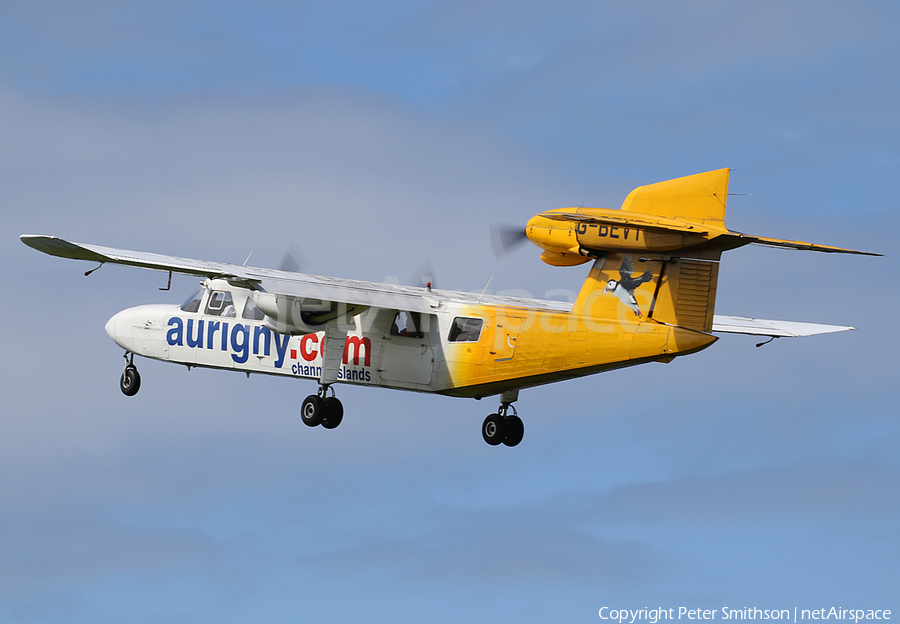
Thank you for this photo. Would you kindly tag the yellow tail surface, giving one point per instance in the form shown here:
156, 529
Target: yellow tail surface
633, 288
674, 286
700, 197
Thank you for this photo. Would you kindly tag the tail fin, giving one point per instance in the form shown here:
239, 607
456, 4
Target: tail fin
700, 197
631, 288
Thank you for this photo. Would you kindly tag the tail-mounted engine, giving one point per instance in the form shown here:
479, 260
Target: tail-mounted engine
667, 217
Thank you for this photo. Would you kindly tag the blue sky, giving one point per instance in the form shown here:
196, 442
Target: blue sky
377, 136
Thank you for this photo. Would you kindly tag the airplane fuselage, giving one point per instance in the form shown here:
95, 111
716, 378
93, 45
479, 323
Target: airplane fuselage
464, 348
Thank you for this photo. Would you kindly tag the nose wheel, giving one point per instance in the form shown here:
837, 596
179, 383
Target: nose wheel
319, 409
130, 382
502, 427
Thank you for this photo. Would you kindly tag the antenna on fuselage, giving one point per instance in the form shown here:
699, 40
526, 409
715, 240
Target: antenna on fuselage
485, 289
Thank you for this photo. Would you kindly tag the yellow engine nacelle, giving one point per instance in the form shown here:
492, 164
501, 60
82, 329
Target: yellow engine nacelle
570, 238
552, 235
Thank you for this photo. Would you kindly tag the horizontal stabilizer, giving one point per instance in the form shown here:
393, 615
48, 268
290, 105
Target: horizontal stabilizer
776, 329
786, 244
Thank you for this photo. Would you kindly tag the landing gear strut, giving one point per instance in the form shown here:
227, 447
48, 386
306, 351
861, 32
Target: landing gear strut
502, 427
320, 409
130, 382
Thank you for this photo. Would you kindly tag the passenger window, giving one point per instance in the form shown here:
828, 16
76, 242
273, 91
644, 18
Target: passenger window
220, 304
407, 324
192, 303
466, 329
251, 312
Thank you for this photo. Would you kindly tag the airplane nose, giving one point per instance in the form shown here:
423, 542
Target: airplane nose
111, 325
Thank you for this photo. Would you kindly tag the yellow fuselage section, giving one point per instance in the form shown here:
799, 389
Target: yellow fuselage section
521, 347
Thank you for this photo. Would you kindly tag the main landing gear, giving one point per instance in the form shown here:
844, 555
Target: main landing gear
130, 382
320, 409
502, 427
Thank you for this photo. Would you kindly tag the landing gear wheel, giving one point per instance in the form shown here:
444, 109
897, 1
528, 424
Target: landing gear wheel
493, 429
130, 382
334, 413
313, 410
515, 429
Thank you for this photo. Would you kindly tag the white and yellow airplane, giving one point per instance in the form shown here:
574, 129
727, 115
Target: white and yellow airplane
649, 297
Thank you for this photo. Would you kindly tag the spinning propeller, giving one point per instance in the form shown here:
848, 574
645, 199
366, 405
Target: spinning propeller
506, 238
293, 259
423, 276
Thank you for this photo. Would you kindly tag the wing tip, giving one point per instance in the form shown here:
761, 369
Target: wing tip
28, 238
37, 241
61, 248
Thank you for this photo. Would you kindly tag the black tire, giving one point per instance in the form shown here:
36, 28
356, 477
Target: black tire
515, 430
493, 429
334, 413
312, 410
130, 382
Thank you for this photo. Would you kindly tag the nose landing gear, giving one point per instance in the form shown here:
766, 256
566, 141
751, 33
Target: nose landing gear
130, 381
319, 409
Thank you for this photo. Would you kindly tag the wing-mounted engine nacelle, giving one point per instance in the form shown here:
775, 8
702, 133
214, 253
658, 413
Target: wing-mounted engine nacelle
297, 316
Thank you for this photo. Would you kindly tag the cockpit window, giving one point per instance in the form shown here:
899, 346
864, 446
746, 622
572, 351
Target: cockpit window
408, 324
220, 304
192, 303
466, 329
251, 312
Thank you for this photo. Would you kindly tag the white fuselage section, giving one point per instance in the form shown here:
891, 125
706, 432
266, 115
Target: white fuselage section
215, 336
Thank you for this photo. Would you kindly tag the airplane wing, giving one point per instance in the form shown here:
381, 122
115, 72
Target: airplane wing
285, 283
775, 329
352, 292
